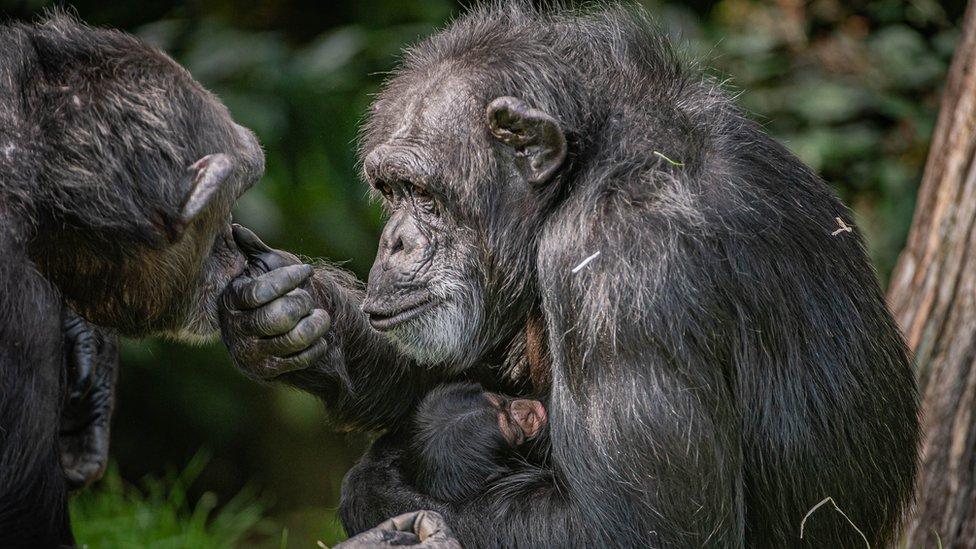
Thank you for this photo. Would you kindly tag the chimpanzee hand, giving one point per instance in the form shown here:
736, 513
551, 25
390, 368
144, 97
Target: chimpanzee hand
423, 529
268, 319
91, 369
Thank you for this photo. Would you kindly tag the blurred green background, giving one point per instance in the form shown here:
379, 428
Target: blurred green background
204, 457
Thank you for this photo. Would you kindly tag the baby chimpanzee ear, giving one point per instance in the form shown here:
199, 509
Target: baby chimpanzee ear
530, 416
539, 142
202, 181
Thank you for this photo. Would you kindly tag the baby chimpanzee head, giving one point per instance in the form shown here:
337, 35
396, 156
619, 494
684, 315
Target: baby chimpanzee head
465, 436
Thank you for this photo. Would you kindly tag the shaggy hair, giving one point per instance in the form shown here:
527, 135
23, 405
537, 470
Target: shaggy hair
720, 360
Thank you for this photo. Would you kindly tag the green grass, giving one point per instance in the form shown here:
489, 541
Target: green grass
158, 514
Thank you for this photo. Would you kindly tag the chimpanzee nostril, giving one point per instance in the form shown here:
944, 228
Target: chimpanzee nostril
397, 245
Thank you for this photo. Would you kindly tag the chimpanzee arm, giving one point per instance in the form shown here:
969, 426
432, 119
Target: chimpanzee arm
287, 321
33, 506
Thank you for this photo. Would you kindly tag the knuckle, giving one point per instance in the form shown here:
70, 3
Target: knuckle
324, 319
305, 332
280, 346
290, 343
270, 324
303, 295
277, 317
291, 274
292, 310
250, 294
318, 350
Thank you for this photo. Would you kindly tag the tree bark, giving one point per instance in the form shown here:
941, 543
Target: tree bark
933, 297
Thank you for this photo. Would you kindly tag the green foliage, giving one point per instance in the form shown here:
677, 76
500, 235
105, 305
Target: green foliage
159, 514
162, 513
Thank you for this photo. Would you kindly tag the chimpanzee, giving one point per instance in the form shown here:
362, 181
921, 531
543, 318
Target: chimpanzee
117, 176
570, 204
464, 437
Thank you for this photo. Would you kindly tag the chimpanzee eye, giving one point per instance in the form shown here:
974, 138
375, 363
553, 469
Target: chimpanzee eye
424, 198
384, 188
421, 193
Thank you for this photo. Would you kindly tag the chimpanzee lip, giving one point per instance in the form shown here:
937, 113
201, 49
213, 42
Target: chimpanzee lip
385, 321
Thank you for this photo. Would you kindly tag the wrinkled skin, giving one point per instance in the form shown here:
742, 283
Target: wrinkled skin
268, 297
422, 529
91, 368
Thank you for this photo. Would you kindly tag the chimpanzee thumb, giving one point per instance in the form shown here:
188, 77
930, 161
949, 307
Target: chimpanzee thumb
261, 258
248, 242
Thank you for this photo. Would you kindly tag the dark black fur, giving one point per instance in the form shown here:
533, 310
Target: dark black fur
721, 363
457, 448
91, 372
101, 210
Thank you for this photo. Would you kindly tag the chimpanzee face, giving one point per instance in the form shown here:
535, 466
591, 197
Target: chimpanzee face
199, 264
456, 173
193, 271
171, 285
143, 168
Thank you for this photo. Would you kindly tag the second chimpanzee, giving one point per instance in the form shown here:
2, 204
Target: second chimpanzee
117, 176
464, 438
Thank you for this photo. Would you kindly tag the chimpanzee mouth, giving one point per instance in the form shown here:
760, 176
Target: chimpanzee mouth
383, 321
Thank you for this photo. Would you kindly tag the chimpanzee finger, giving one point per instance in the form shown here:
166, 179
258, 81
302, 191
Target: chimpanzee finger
83, 359
298, 361
279, 316
251, 293
81, 347
308, 330
261, 258
429, 528
248, 242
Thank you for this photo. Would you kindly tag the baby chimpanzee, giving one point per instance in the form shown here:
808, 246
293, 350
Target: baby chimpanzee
466, 437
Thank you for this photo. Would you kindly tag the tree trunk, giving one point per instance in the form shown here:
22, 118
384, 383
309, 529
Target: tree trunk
933, 298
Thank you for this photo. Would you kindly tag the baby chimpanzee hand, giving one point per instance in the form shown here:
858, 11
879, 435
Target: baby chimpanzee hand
91, 359
268, 319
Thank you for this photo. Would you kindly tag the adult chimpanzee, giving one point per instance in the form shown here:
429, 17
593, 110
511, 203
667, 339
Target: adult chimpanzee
463, 438
117, 175
568, 203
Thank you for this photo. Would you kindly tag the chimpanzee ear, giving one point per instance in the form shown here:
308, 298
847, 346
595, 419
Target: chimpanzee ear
530, 416
204, 178
539, 142
202, 181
